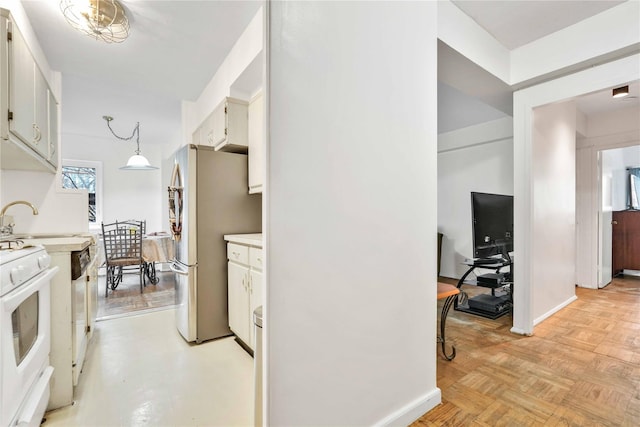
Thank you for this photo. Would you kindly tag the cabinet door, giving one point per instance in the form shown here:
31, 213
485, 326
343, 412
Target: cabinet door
21, 88
92, 295
238, 294
632, 229
256, 141
41, 118
79, 325
618, 243
53, 130
219, 124
195, 138
206, 132
255, 299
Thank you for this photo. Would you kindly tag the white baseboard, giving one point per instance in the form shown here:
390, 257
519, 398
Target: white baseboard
412, 411
554, 310
631, 272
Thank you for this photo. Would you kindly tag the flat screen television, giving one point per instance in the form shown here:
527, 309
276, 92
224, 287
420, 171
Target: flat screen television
492, 221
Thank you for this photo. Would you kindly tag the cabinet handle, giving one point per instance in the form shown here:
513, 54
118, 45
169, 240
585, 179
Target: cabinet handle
36, 134
250, 285
259, 260
236, 254
614, 222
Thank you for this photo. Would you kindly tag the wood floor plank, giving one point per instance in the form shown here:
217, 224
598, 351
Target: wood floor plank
580, 368
503, 414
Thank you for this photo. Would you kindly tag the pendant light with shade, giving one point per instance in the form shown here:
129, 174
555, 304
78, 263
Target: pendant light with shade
137, 161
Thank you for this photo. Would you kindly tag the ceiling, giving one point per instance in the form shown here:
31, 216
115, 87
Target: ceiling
516, 23
175, 47
468, 95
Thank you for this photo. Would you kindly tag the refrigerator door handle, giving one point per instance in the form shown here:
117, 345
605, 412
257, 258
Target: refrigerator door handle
175, 267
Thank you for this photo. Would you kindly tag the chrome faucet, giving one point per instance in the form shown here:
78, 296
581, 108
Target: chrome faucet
8, 228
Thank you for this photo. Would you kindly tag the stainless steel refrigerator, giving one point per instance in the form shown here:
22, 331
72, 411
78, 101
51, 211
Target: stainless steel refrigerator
208, 198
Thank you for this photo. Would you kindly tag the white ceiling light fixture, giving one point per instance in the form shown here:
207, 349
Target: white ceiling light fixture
620, 92
100, 19
137, 161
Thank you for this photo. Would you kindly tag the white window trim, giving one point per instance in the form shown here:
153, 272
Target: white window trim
98, 167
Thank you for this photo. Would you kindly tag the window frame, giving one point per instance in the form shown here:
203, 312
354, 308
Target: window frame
99, 193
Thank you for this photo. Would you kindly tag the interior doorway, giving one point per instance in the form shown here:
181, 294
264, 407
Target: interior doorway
615, 195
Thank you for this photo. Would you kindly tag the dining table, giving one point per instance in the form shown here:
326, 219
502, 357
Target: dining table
156, 248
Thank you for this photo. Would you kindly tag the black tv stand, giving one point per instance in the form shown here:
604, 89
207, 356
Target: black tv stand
487, 305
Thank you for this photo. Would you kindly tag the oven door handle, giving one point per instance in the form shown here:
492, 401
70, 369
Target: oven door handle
13, 299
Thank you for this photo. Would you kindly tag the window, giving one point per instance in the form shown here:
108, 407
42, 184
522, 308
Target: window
85, 175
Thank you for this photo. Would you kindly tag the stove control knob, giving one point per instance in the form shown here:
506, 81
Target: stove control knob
17, 274
44, 261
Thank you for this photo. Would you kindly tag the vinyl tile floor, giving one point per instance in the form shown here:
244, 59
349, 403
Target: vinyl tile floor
139, 371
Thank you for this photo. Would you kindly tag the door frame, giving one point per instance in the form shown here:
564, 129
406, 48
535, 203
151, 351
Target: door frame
591, 80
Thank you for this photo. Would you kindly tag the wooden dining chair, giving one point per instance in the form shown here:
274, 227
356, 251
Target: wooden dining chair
123, 253
134, 223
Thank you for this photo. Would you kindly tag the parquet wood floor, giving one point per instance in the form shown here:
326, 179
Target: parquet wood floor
127, 299
580, 368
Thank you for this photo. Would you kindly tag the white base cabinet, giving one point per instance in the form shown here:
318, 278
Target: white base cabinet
73, 310
245, 287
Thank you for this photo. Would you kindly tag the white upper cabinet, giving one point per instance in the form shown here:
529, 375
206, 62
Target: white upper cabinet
229, 126
29, 110
21, 81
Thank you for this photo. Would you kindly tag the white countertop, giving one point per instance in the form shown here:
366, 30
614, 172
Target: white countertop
254, 239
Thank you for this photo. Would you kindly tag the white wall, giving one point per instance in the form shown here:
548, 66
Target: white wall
244, 51
351, 228
553, 219
59, 211
85, 136
477, 158
464, 35
126, 194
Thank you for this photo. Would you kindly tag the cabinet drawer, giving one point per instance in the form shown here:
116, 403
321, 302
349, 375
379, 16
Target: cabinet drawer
238, 253
255, 258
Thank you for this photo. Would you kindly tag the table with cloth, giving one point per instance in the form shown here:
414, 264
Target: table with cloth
156, 247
